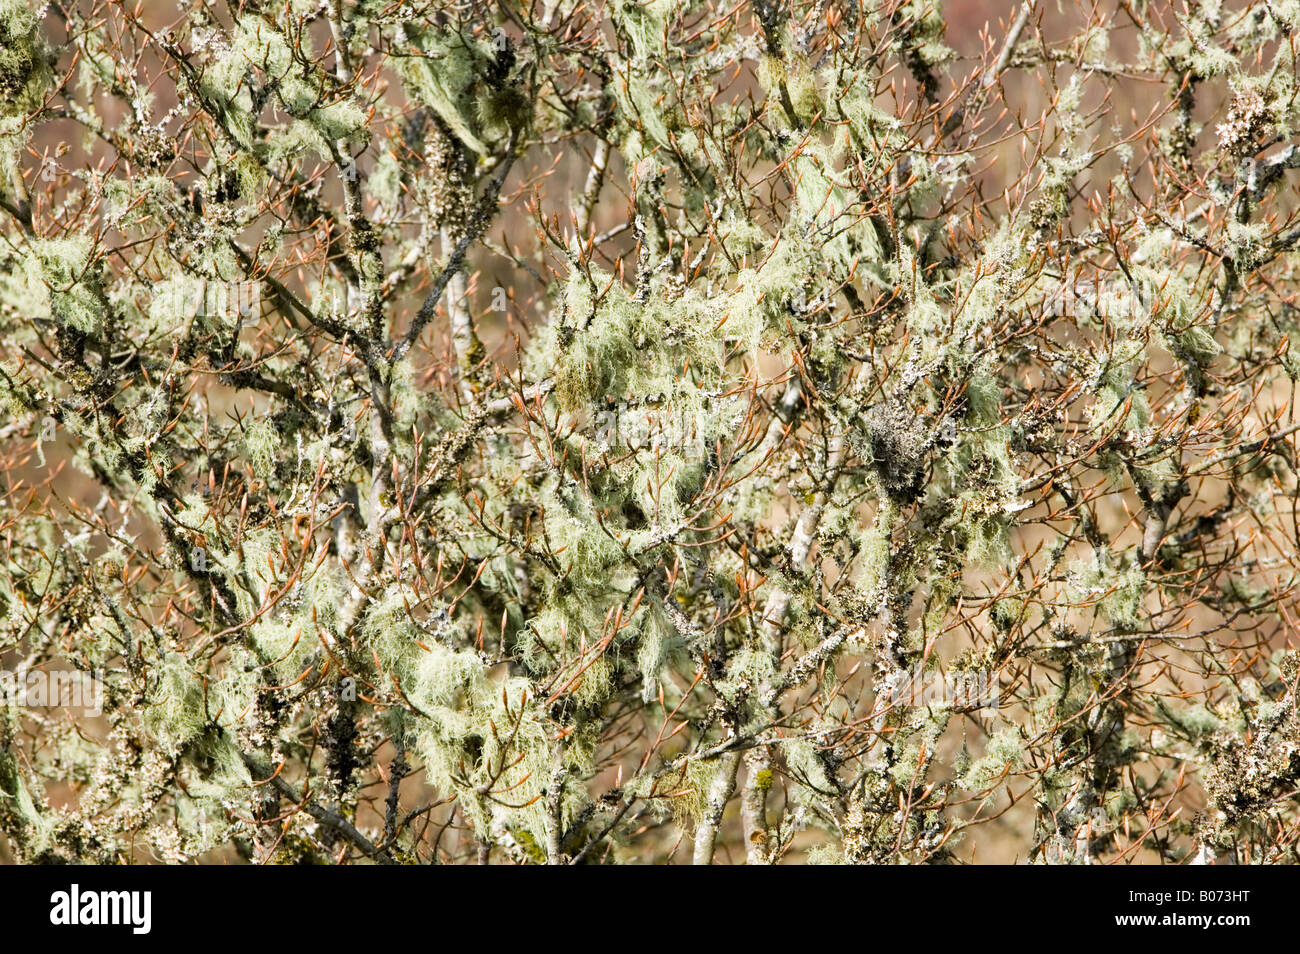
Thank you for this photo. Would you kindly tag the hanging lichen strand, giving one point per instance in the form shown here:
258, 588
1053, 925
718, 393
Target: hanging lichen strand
648, 432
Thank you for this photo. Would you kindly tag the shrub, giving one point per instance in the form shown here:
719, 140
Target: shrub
649, 431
